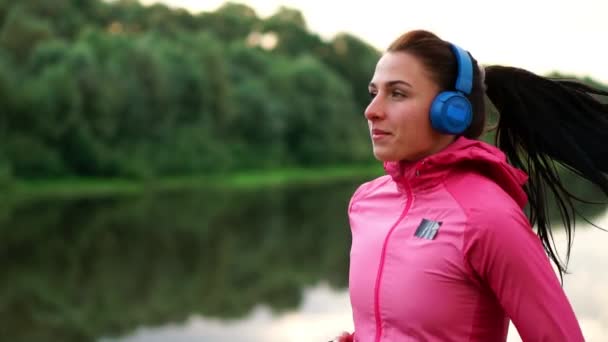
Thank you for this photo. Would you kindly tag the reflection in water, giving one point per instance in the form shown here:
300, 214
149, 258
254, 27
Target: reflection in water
78, 270
265, 265
587, 284
324, 313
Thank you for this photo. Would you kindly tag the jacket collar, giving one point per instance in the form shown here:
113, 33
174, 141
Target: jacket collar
474, 154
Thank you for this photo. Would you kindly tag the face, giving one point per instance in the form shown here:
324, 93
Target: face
398, 114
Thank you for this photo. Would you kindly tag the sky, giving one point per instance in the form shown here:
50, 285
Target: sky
537, 35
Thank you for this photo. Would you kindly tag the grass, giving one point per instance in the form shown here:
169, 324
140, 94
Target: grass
88, 187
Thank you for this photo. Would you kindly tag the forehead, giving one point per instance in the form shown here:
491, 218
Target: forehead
399, 66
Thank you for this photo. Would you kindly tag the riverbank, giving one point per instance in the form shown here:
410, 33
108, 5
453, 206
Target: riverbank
86, 187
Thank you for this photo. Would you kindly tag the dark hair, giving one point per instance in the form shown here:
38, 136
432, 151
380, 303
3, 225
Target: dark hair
437, 56
542, 123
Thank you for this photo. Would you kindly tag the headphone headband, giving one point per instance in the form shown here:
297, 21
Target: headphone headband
464, 80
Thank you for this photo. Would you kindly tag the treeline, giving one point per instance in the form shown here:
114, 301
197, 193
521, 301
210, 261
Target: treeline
118, 89
92, 88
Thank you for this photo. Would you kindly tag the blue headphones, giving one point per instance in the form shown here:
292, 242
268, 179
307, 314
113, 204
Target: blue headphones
451, 111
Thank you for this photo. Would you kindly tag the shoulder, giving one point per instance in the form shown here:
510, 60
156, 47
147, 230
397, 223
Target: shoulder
368, 187
488, 208
476, 192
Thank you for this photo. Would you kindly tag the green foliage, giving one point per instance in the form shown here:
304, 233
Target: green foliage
356, 71
21, 31
232, 21
118, 89
6, 173
92, 88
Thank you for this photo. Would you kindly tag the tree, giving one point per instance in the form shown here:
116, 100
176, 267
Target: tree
21, 33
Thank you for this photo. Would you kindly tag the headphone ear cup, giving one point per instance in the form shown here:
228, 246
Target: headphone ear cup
451, 113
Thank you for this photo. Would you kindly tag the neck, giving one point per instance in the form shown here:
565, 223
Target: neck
442, 142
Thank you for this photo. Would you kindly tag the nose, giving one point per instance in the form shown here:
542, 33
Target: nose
375, 109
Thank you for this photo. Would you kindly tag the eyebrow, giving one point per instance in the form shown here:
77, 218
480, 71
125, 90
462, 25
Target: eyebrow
392, 83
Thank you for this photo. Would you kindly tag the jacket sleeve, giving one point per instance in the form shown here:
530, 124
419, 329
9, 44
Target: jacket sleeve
508, 256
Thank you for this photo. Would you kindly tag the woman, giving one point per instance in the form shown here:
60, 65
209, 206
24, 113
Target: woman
441, 247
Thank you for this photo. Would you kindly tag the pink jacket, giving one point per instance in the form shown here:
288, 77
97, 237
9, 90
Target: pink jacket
442, 251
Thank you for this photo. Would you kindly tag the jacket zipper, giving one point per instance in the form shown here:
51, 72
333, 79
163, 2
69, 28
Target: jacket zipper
381, 267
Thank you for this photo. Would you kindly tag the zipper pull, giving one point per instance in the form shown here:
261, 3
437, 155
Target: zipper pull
418, 167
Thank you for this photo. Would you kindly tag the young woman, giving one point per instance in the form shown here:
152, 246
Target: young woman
442, 249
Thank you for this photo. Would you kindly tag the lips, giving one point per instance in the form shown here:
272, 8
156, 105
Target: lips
378, 134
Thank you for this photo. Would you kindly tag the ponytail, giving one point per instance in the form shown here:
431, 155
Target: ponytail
544, 124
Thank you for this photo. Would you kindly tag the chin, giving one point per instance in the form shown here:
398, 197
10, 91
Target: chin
384, 156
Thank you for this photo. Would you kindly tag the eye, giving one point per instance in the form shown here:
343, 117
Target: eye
372, 93
397, 94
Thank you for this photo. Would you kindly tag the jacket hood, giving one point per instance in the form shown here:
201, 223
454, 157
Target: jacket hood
462, 153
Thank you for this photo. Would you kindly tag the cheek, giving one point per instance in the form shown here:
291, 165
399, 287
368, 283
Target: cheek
416, 122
